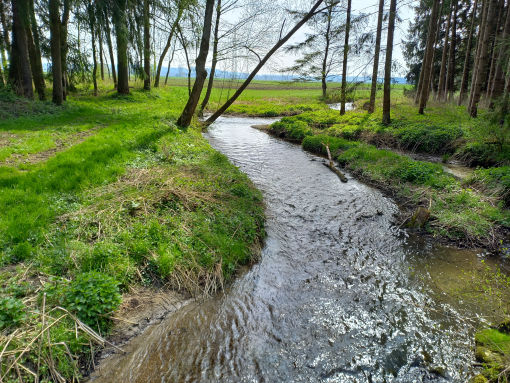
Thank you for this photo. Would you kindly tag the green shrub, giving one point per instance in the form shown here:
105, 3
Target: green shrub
430, 139
416, 171
483, 154
495, 179
12, 312
92, 296
290, 128
314, 144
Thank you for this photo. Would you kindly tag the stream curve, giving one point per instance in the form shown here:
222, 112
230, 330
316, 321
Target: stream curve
335, 297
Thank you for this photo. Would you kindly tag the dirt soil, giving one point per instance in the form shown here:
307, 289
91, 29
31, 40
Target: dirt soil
141, 307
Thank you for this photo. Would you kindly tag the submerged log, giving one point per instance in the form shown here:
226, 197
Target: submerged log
332, 166
419, 218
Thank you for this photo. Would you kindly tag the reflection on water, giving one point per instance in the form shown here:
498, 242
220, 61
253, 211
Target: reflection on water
340, 294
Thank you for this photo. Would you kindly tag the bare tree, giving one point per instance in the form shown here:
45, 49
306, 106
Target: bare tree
253, 73
483, 56
56, 62
373, 87
346, 52
201, 73
465, 71
387, 65
146, 46
442, 72
428, 59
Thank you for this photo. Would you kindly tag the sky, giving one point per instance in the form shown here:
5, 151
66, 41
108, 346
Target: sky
405, 12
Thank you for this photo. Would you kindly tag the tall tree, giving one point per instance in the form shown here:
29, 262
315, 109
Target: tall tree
201, 73
64, 45
387, 65
214, 61
429, 55
450, 79
5, 34
344, 63
121, 31
100, 38
180, 10
20, 75
92, 24
281, 41
169, 64
34, 52
146, 46
498, 83
442, 72
467, 58
56, 62
375, 71
106, 24
479, 76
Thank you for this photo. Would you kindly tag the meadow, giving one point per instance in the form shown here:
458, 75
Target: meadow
106, 193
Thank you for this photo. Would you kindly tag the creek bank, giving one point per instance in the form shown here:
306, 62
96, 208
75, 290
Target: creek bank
458, 215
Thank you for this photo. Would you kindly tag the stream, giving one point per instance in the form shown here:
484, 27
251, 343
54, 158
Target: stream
341, 294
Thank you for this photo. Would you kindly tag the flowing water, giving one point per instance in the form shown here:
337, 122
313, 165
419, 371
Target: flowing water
340, 294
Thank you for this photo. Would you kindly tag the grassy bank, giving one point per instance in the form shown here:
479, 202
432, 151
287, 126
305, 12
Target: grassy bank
473, 212
98, 196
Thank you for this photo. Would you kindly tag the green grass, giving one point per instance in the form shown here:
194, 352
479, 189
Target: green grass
463, 215
110, 185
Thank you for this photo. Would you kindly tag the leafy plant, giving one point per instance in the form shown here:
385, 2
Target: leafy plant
12, 312
92, 296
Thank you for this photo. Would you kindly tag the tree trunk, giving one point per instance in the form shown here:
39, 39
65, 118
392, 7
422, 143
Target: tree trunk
92, 25
20, 75
488, 35
387, 65
5, 34
495, 48
261, 63
121, 31
431, 74
375, 71
64, 46
214, 59
200, 71
101, 61
481, 31
427, 62
465, 70
146, 46
56, 60
165, 49
344, 63
184, 47
34, 51
326, 53
450, 79
499, 78
442, 72
169, 63
110, 49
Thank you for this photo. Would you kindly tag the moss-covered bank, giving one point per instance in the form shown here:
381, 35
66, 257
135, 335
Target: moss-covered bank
471, 213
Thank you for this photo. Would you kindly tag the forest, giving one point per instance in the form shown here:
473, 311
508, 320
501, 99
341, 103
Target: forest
163, 214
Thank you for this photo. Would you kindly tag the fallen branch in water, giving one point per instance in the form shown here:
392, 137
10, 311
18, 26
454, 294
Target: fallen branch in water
332, 166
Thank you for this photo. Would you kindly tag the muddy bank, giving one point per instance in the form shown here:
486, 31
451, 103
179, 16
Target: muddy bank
141, 308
